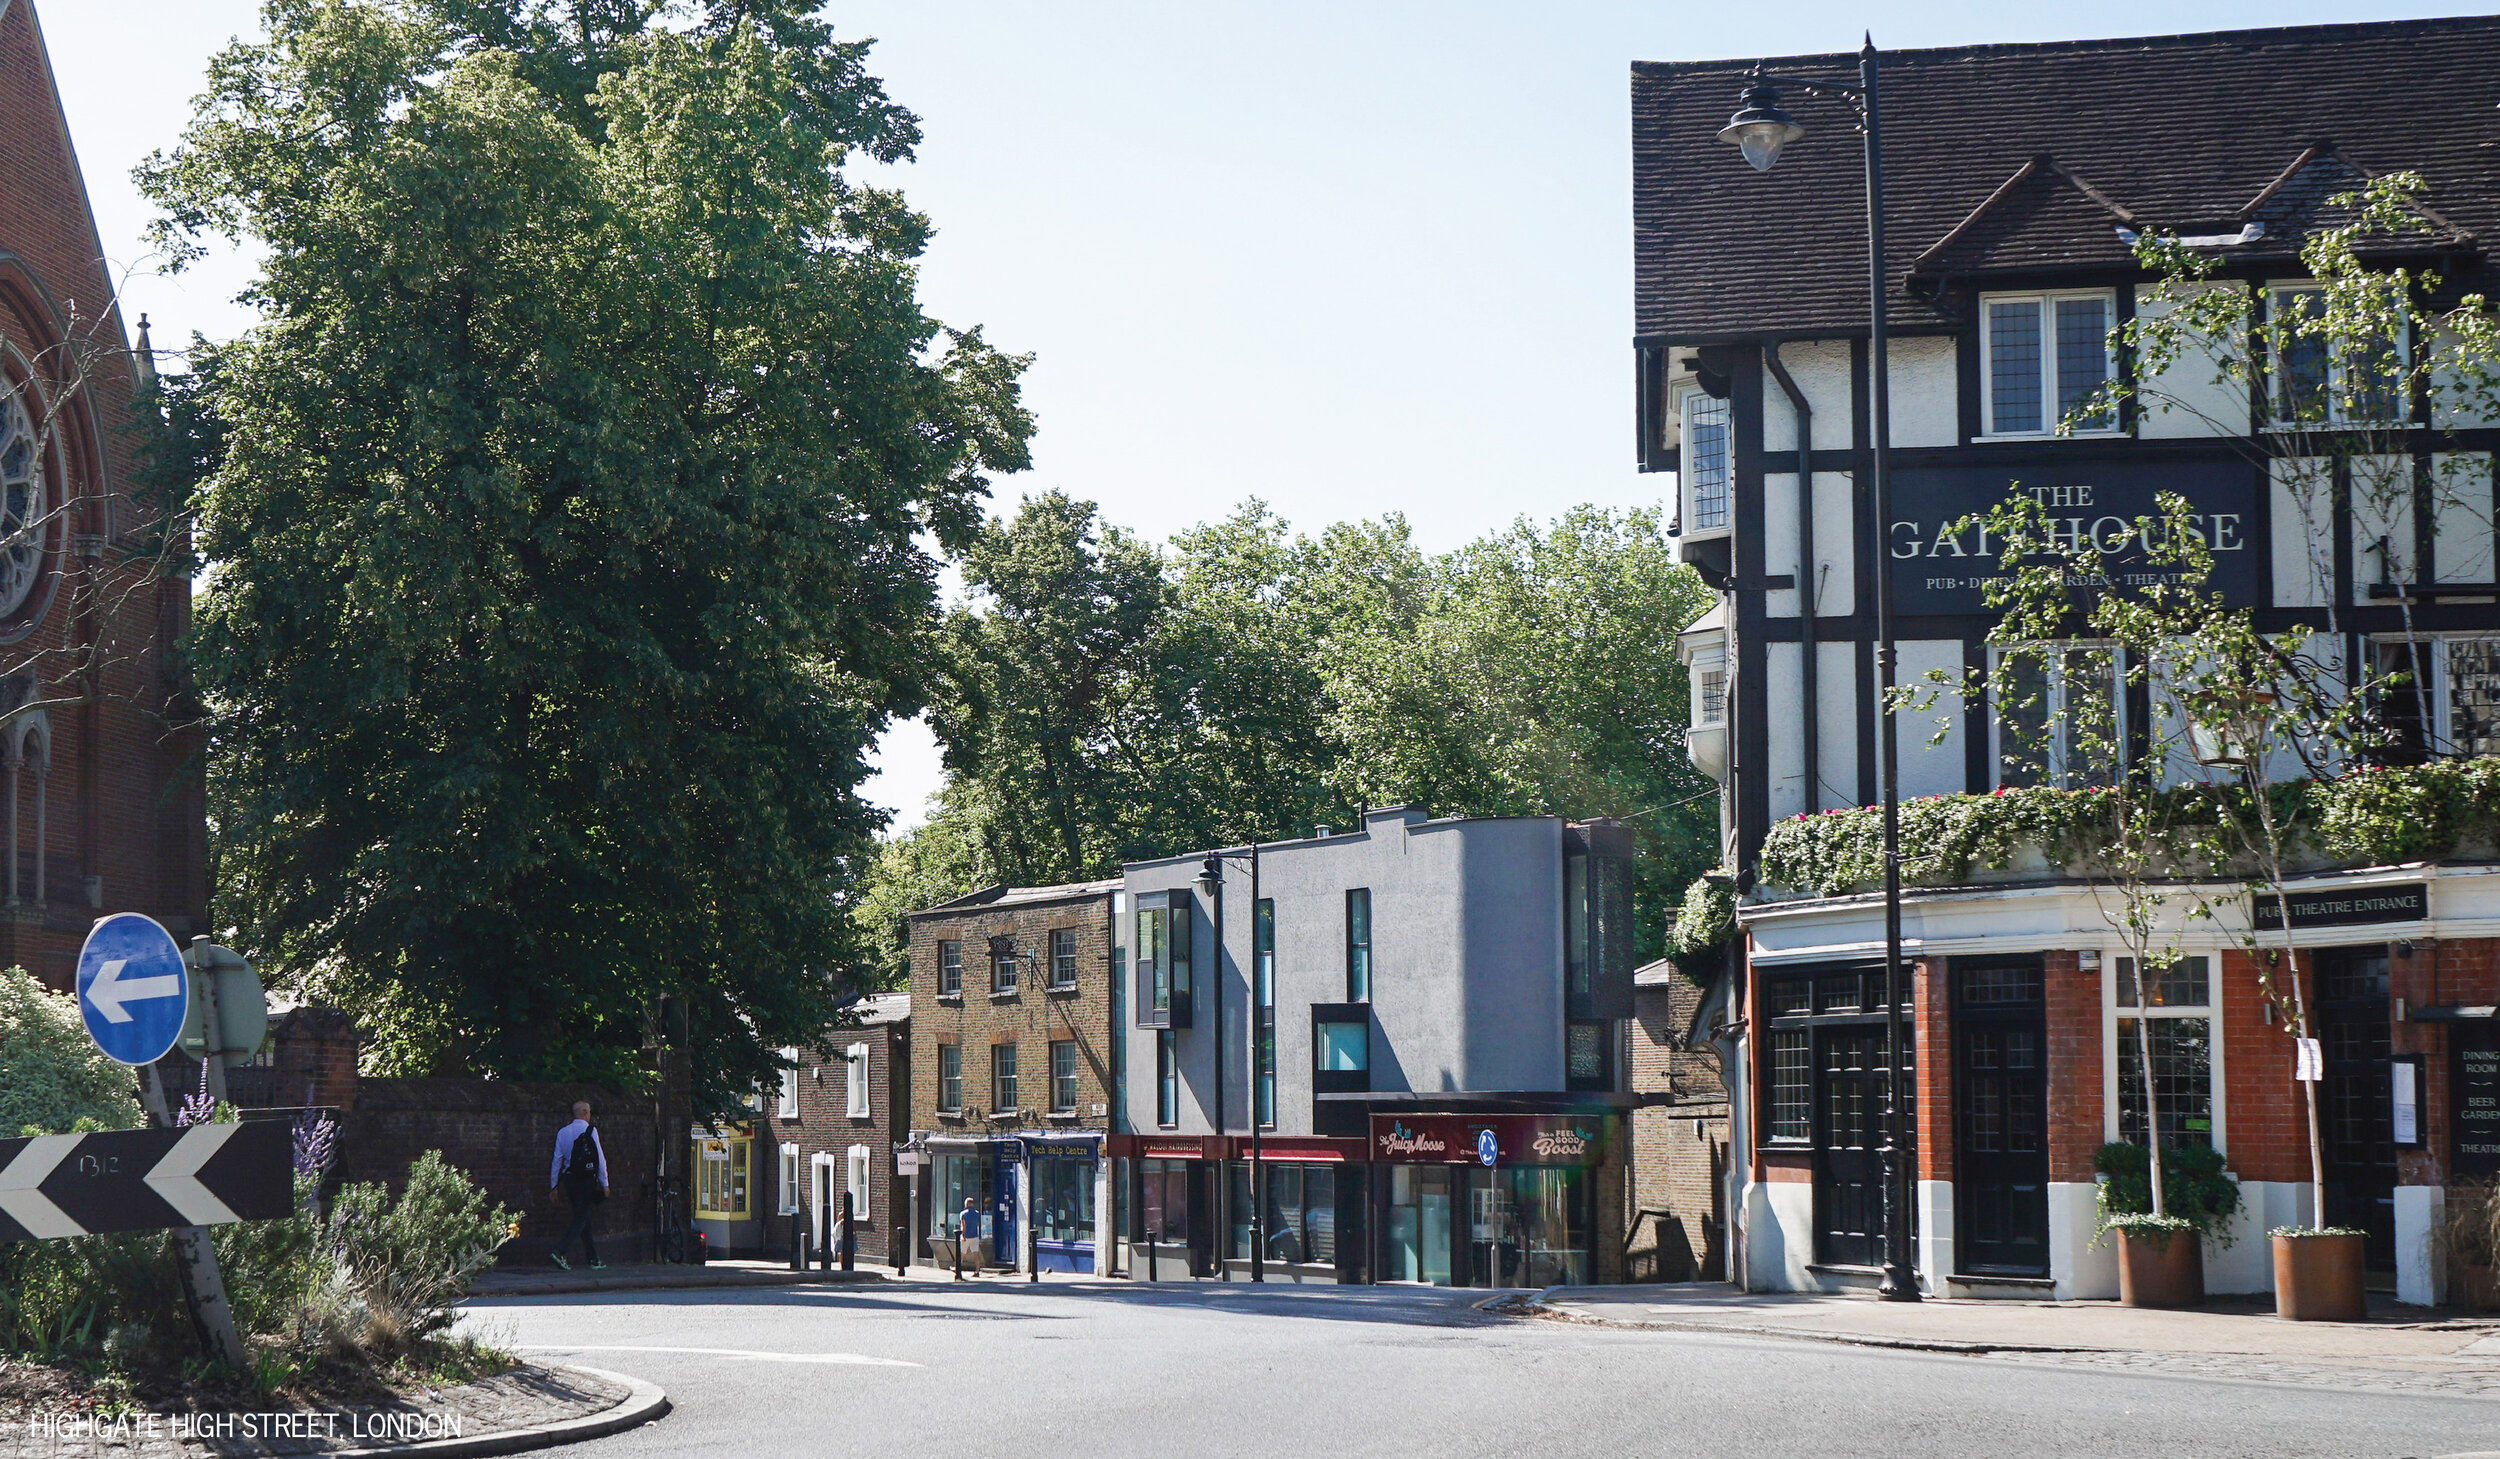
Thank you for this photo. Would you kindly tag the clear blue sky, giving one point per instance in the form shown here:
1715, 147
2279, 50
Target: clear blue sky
1352, 258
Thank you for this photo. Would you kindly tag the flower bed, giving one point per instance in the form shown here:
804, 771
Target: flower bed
2371, 817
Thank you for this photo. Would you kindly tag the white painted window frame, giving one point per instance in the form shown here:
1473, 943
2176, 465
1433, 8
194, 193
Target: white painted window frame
2335, 421
2210, 1011
2047, 299
1689, 516
855, 1081
2059, 746
789, 1178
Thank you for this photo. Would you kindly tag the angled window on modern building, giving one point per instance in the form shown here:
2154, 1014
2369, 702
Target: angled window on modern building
1154, 960
1267, 1077
1342, 1047
1167, 1081
1263, 954
1358, 945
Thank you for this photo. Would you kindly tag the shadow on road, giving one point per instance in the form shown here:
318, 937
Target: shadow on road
997, 1300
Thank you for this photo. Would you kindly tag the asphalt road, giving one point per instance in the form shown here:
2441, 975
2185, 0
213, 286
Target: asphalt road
1001, 1369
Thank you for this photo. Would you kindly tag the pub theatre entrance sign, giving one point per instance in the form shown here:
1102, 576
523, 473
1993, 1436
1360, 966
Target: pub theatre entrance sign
2088, 503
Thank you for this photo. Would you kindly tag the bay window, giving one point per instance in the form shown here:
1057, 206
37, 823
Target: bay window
2043, 357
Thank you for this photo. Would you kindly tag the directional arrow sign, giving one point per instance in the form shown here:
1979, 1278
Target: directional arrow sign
133, 991
144, 1180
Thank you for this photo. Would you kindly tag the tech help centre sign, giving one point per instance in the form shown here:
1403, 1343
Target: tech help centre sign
2095, 503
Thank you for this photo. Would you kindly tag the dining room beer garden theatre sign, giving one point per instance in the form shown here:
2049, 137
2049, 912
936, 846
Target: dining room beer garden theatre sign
2102, 504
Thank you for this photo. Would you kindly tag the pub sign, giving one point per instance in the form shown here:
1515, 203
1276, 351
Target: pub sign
2091, 503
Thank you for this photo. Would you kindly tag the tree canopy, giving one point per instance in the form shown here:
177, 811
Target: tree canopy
1102, 701
569, 525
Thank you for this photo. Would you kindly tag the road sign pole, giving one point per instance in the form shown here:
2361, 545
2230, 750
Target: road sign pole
213, 1054
200, 1280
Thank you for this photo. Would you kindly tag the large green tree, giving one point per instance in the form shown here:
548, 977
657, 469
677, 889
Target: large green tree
1106, 703
565, 538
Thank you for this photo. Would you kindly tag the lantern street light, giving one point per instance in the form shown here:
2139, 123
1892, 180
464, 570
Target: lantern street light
1761, 129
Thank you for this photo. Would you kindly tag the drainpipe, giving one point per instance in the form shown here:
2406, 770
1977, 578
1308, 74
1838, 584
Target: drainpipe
1806, 586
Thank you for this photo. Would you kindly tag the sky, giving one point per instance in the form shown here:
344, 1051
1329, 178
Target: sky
1347, 258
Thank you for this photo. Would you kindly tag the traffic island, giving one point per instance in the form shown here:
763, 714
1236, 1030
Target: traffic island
48, 1413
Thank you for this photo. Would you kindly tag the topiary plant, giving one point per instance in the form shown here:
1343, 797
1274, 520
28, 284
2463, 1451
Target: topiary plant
52, 1076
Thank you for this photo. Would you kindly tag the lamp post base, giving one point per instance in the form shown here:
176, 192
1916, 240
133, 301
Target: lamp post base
1900, 1284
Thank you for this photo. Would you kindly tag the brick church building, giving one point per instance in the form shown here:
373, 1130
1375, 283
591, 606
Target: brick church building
101, 796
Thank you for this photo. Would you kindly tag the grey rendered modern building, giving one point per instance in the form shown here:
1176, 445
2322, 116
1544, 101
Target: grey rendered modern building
1414, 1031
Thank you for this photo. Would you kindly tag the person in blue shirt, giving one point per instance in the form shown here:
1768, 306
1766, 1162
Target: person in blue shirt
580, 1171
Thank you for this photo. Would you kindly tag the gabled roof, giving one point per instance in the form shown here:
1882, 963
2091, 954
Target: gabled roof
2007, 158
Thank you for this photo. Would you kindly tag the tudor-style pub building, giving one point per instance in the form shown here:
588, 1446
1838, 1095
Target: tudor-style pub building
2017, 180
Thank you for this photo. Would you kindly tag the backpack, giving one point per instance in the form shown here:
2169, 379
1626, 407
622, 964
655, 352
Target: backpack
581, 1165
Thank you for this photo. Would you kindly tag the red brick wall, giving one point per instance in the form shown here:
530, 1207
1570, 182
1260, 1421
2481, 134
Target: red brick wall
124, 825
2074, 1067
503, 1134
1931, 1012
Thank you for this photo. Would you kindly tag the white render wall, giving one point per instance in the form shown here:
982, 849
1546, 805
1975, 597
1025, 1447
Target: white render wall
2188, 400
1834, 573
1925, 393
2304, 545
1929, 769
1821, 370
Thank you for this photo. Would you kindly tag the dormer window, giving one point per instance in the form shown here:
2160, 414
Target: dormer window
2042, 358
1708, 466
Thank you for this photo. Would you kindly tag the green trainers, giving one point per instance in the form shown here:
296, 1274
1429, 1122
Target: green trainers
598, 1266
560, 1261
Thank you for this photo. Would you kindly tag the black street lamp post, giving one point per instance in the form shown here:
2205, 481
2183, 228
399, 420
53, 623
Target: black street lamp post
1211, 876
1761, 129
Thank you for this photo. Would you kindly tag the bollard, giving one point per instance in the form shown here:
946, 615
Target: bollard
902, 1250
798, 1246
959, 1251
1154, 1266
850, 1239
824, 1237
1033, 1251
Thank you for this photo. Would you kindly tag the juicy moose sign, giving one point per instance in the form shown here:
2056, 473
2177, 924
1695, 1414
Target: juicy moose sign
2095, 504
1514, 1139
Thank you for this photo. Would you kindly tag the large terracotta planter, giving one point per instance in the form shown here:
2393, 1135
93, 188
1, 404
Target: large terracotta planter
2160, 1268
2318, 1279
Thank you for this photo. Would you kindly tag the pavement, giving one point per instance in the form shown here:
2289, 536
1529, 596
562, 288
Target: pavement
1112, 1368
551, 1280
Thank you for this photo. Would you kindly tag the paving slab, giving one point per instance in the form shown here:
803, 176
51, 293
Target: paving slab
2226, 1327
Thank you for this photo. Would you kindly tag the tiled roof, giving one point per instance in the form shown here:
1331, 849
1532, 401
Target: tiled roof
2033, 156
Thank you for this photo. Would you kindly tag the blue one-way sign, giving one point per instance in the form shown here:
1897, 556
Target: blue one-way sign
132, 988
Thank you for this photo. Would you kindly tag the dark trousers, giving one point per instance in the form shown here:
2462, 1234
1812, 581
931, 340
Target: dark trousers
584, 1208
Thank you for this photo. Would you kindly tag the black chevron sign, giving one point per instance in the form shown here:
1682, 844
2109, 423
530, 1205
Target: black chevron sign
144, 1180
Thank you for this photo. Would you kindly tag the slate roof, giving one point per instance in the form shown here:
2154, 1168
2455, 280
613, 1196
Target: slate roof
1002, 895
2032, 157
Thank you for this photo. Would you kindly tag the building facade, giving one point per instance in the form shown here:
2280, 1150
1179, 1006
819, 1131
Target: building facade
1680, 1156
1012, 1070
826, 1134
1413, 1031
2010, 264
101, 800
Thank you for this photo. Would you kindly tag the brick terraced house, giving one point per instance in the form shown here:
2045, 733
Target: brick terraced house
1012, 1069
828, 1132
2017, 178
100, 791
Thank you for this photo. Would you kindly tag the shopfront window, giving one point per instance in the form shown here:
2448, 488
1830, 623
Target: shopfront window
1300, 1224
954, 1178
2173, 1009
723, 1171
1063, 1199
1416, 1244
1529, 1225
1163, 1206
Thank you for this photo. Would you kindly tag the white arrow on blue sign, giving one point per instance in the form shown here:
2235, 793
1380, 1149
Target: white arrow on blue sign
132, 988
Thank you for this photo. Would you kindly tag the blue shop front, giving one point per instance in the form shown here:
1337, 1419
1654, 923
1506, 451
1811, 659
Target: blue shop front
1036, 1194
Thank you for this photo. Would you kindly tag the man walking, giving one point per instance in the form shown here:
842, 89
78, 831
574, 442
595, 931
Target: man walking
580, 1170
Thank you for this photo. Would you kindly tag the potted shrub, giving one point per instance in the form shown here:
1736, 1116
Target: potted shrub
2161, 1254
2317, 1274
